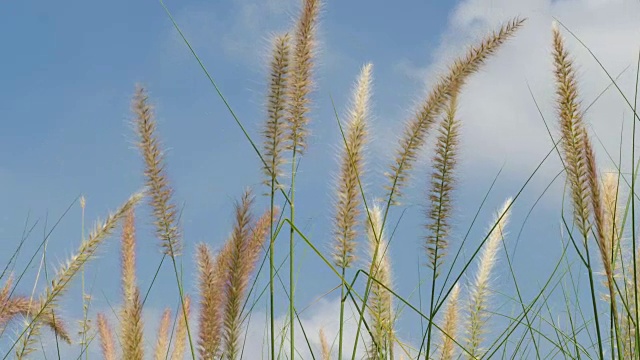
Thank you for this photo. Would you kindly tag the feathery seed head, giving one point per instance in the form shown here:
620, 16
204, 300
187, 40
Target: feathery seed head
349, 202
301, 83
324, 345
573, 133
132, 337
479, 292
86, 252
10, 307
274, 131
441, 186
210, 283
612, 211
380, 305
128, 257
164, 211
161, 350
107, 342
417, 129
241, 253
450, 326
181, 330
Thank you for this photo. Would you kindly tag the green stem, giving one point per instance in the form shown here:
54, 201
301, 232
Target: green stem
271, 272
184, 311
291, 254
342, 299
593, 298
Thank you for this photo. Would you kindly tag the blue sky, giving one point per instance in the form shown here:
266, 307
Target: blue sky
69, 71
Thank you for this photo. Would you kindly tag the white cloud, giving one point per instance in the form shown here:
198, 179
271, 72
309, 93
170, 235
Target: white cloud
240, 29
500, 120
322, 315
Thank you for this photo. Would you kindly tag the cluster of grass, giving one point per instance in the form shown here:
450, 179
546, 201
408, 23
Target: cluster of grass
211, 323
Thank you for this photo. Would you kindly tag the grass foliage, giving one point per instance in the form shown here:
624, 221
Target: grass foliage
459, 318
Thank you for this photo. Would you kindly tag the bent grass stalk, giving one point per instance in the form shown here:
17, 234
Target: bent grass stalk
164, 211
416, 130
297, 119
348, 201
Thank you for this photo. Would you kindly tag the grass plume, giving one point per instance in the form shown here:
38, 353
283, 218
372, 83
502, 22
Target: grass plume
107, 341
161, 349
380, 304
301, 82
181, 331
349, 202
325, 350
211, 281
300, 87
131, 313
48, 303
418, 127
480, 291
441, 186
277, 101
241, 253
450, 326
164, 211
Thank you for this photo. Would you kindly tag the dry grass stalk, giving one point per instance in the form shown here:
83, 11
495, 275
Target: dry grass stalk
128, 257
604, 239
573, 133
5, 306
10, 307
132, 338
301, 82
612, 214
325, 351
85, 322
241, 253
210, 282
181, 331
107, 341
131, 325
441, 186
629, 318
235, 262
612, 230
161, 349
450, 327
164, 211
131, 312
416, 129
479, 292
380, 303
274, 131
580, 164
44, 309
348, 204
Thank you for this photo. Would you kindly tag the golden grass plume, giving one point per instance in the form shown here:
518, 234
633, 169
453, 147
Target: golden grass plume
274, 130
164, 211
161, 349
418, 127
441, 185
107, 341
301, 83
450, 326
480, 291
380, 305
349, 200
